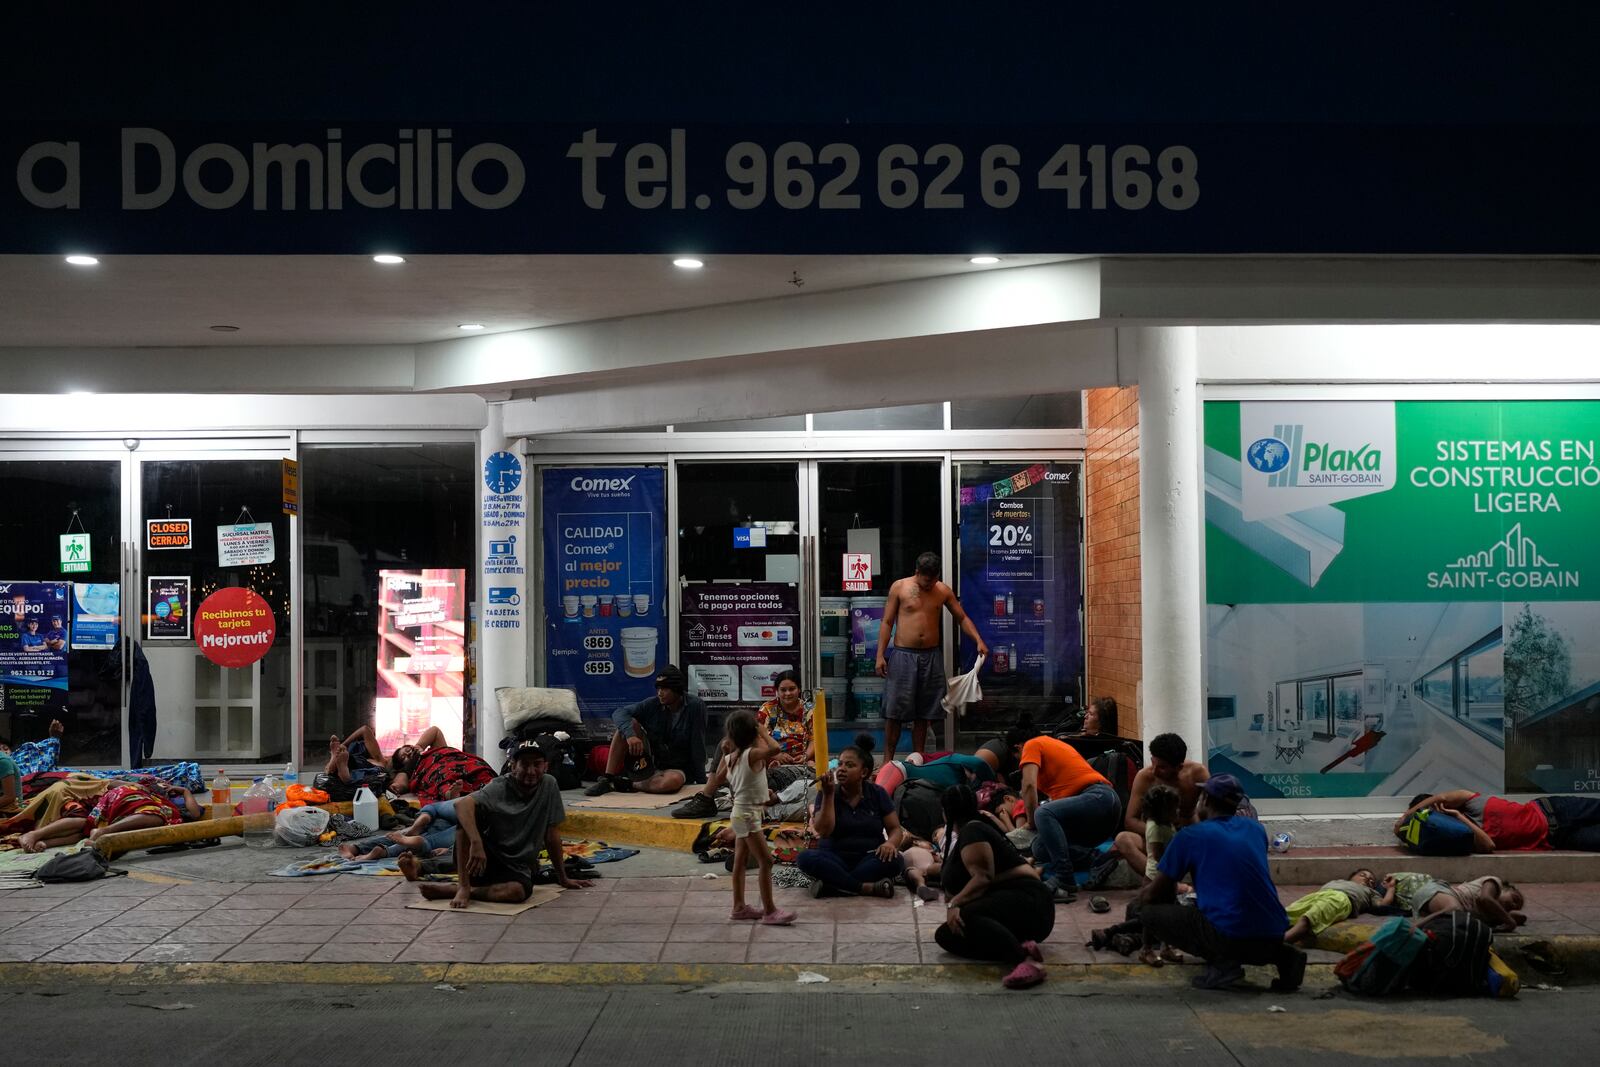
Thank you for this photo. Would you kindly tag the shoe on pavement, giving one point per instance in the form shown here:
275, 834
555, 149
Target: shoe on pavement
698, 806
746, 912
1291, 974
1025, 974
600, 788
1219, 977
817, 889
1061, 894
777, 917
1035, 953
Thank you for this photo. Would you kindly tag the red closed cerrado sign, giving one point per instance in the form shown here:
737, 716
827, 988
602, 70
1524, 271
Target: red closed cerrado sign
234, 627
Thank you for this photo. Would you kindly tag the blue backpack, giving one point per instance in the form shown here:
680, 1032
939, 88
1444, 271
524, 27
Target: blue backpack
1430, 833
1382, 965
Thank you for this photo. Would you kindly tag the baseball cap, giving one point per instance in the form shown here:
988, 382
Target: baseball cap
1223, 787
672, 678
529, 749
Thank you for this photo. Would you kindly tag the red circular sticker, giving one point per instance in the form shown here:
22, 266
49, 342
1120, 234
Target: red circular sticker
234, 627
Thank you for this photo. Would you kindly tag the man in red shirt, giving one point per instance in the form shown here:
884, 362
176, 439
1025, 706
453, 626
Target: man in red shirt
1505, 825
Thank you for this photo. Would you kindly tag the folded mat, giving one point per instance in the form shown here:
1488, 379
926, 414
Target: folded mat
542, 894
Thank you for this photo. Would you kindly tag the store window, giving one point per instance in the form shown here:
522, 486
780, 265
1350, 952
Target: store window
1041, 411
390, 544
84, 687
905, 417
1021, 580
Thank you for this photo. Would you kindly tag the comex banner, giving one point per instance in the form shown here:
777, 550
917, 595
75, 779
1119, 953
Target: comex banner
1400, 596
604, 583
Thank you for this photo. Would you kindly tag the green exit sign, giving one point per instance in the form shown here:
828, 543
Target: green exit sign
75, 553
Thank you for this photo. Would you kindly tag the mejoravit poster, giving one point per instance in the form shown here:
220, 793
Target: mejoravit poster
33, 647
604, 582
1019, 580
736, 637
1401, 596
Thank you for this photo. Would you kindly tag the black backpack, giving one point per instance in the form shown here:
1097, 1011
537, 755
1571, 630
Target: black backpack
1118, 769
919, 806
85, 865
1455, 960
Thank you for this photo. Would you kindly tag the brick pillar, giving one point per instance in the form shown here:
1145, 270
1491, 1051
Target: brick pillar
1111, 544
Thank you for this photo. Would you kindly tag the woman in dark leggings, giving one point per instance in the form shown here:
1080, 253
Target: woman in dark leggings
998, 909
860, 836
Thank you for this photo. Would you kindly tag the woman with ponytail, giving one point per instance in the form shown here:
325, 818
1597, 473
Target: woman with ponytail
996, 906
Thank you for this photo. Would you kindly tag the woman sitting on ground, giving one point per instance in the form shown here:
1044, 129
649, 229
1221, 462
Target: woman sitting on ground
860, 833
124, 806
996, 906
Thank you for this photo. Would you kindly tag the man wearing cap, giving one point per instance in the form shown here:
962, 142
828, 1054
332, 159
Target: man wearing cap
1238, 918
502, 828
660, 742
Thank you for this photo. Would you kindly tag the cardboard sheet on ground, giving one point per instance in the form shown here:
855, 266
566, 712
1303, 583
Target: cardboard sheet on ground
542, 894
635, 800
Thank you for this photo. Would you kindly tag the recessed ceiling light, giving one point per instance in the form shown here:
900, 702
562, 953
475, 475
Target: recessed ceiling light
388, 259
226, 329
688, 263
83, 261
470, 326
984, 261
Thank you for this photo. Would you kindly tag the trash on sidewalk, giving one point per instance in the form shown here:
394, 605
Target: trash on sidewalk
446, 987
810, 978
1277, 1008
709, 877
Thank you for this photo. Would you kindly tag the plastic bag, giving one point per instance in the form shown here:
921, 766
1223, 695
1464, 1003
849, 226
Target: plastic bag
300, 826
963, 689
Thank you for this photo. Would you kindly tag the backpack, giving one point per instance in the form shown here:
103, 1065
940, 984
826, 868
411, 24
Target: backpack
1454, 961
84, 865
1118, 769
1381, 965
918, 804
1432, 833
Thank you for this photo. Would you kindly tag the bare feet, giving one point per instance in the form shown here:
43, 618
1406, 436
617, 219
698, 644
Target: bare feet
408, 840
436, 890
461, 899
411, 867
1149, 957
1171, 955
56, 729
31, 842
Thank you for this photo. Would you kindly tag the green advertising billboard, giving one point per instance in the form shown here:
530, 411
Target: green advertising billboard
1399, 595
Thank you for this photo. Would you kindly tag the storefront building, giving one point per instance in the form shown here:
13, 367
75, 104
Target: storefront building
324, 419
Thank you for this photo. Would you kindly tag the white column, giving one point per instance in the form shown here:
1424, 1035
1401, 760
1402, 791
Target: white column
1170, 500
502, 617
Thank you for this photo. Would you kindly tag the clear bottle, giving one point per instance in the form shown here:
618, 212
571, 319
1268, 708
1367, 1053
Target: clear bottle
221, 791
1282, 841
1011, 604
257, 808
290, 776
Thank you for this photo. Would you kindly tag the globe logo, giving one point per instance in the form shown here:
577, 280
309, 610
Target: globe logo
1268, 455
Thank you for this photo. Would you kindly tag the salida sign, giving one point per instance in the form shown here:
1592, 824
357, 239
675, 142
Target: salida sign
234, 627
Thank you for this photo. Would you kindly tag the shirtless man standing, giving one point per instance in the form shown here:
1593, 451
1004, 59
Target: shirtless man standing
1169, 765
916, 670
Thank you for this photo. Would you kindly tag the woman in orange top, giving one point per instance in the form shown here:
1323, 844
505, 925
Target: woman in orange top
1067, 804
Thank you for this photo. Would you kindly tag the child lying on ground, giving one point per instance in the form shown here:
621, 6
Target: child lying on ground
1494, 900
1335, 902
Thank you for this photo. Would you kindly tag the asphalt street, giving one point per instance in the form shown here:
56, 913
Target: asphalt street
1068, 1022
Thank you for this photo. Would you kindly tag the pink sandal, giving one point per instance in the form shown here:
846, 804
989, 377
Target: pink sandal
1025, 974
746, 911
1034, 952
777, 917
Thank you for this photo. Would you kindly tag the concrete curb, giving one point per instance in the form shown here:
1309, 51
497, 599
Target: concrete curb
593, 974
1564, 959
625, 828
1316, 866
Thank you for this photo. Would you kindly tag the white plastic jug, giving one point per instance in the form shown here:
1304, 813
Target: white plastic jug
365, 809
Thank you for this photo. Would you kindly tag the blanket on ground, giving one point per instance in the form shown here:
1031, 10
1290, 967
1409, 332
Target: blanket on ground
333, 863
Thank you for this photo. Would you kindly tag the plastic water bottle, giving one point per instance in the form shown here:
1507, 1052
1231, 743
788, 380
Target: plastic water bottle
364, 809
1282, 841
290, 777
221, 794
257, 808
278, 795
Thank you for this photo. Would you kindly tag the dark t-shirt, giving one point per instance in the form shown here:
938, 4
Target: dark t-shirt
978, 831
513, 824
857, 829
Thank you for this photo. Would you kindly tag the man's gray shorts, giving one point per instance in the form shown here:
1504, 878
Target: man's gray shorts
916, 684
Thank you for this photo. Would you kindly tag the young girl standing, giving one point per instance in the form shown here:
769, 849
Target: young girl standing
746, 766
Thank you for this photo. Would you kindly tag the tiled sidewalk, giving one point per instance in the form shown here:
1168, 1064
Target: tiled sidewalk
350, 919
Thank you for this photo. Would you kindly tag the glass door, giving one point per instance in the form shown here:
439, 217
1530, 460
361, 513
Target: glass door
741, 582
890, 510
61, 577
211, 604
